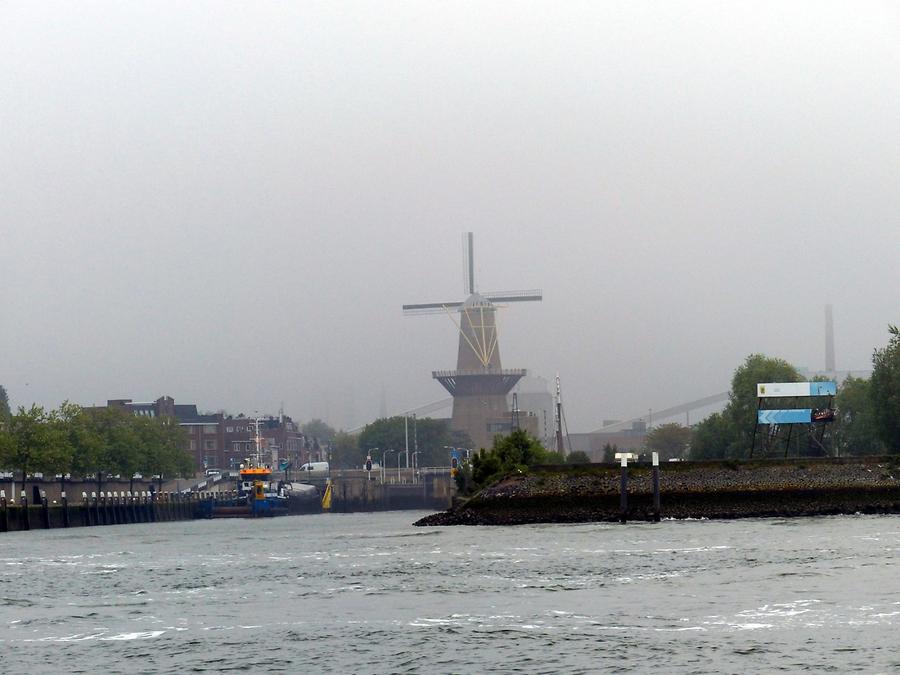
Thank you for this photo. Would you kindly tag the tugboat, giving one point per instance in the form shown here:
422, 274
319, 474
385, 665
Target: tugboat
256, 495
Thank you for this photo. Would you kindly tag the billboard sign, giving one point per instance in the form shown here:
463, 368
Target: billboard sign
788, 389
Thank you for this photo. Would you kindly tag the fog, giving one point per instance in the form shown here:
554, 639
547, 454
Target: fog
228, 203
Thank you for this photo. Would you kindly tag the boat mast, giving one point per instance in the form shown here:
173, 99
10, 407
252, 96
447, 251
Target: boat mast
258, 444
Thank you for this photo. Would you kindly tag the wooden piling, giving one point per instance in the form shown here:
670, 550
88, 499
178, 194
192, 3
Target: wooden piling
45, 511
655, 477
623, 490
25, 522
65, 509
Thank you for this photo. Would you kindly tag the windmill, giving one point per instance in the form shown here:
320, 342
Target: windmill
479, 385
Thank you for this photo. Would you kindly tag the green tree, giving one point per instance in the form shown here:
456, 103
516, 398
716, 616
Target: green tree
854, 425
163, 452
578, 457
34, 443
431, 437
609, 452
4, 405
885, 391
554, 457
320, 430
712, 437
80, 432
514, 452
345, 451
669, 440
115, 447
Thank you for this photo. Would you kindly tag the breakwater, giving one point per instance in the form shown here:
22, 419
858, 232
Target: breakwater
708, 489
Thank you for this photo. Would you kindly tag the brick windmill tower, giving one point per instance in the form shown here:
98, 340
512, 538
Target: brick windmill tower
479, 385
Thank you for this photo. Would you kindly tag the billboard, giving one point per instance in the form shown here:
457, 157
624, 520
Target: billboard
795, 416
783, 389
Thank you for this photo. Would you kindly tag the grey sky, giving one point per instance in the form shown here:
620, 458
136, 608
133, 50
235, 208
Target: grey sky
229, 202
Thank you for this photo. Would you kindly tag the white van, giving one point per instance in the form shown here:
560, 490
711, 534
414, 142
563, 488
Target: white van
313, 470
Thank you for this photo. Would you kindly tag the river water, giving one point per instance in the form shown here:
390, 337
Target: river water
369, 593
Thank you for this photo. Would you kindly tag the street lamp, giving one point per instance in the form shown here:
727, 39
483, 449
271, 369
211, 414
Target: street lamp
383, 456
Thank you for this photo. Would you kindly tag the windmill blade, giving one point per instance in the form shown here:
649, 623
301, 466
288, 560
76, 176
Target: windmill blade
532, 295
430, 307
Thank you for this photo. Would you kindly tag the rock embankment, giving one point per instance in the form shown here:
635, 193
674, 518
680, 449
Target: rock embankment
730, 489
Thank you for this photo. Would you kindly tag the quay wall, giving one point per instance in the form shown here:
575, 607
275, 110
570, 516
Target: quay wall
111, 508
360, 493
708, 489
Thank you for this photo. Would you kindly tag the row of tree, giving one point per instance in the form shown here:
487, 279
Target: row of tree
96, 442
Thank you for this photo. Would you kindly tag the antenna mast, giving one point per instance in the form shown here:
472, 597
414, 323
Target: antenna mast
559, 438
258, 443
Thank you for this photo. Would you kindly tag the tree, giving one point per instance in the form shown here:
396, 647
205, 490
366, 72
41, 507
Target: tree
712, 437
163, 449
34, 442
431, 437
320, 430
609, 452
854, 425
84, 441
554, 457
884, 391
578, 457
669, 440
514, 452
4, 405
345, 451
113, 444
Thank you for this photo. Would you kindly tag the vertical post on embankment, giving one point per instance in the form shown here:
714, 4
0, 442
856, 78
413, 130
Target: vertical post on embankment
4, 514
24, 522
655, 477
45, 511
623, 490
65, 508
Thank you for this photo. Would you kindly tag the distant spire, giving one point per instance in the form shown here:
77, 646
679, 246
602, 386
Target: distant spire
830, 366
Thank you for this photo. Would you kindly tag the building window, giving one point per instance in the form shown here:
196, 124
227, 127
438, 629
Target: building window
210, 428
229, 430
209, 445
193, 445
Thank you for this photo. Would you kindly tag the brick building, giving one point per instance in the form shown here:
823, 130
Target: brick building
217, 441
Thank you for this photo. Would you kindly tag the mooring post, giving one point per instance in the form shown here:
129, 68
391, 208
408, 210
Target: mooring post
65, 508
623, 490
25, 523
655, 487
4, 514
45, 511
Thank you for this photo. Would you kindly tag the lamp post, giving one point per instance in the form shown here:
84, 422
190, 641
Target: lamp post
398, 465
383, 457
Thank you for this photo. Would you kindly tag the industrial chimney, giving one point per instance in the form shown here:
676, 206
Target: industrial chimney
829, 341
